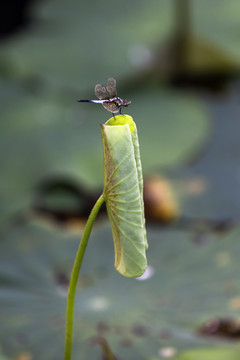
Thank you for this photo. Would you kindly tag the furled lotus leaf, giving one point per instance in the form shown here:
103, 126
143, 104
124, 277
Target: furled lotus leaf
123, 188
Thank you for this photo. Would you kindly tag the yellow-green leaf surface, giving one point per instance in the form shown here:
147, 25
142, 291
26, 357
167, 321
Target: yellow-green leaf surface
123, 188
210, 354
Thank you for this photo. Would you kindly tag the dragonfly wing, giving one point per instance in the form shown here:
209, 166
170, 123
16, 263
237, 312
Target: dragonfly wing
101, 92
111, 106
111, 87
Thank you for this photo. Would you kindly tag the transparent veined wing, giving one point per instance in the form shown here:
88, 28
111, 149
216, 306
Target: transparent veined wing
111, 106
101, 92
112, 87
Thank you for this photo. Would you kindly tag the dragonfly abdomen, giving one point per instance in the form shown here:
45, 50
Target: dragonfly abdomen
92, 101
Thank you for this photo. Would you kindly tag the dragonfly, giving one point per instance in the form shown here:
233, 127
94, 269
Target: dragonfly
108, 97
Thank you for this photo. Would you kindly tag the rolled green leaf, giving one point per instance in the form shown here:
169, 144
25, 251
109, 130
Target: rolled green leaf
123, 190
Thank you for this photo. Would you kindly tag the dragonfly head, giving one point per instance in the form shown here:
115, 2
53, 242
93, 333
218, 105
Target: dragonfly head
126, 102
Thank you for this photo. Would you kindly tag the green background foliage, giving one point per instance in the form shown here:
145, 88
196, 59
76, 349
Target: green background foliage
189, 136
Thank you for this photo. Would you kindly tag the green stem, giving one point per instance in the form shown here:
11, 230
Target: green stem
74, 278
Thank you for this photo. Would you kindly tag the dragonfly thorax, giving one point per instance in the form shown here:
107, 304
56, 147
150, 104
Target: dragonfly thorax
118, 101
114, 104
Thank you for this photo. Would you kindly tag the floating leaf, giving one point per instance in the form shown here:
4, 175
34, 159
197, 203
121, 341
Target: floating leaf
210, 354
